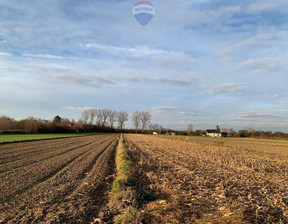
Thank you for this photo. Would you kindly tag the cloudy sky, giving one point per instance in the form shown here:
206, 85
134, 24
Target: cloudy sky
207, 62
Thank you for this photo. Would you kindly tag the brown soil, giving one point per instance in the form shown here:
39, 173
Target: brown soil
195, 183
56, 181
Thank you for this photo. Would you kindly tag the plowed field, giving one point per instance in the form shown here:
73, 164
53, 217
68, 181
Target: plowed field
56, 181
160, 180
196, 183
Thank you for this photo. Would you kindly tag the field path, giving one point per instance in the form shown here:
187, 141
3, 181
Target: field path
56, 181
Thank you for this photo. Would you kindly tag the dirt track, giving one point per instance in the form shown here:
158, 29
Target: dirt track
56, 181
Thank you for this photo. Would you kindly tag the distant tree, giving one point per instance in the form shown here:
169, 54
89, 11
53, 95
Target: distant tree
32, 124
105, 115
145, 119
231, 132
80, 124
85, 116
156, 128
136, 120
268, 134
279, 134
6, 123
198, 132
99, 117
57, 119
112, 118
122, 117
218, 129
92, 114
189, 129
243, 133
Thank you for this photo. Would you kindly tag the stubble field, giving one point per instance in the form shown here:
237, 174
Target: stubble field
160, 180
202, 183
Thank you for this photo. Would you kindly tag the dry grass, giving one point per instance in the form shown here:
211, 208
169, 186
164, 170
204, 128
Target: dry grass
267, 146
202, 183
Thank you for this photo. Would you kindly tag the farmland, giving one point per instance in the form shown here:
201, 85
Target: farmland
205, 183
54, 180
142, 178
266, 146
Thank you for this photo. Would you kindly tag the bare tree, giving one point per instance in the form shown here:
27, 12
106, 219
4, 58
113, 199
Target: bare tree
85, 116
156, 127
122, 117
112, 118
136, 120
31, 124
189, 129
105, 115
6, 123
99, 117
92, 114
145, 119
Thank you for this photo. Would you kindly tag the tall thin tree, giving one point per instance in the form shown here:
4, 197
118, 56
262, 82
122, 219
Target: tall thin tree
145, 119
122, 117
136, 120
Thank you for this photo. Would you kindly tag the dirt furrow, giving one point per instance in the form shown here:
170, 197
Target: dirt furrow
9, 165
46, 176
24, 147
65, 186
44, 156
90, 197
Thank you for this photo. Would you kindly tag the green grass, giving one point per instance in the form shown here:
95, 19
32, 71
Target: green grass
25, 137
123, 188
125, 168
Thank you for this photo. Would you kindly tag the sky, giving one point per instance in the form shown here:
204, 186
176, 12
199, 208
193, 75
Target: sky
204, 62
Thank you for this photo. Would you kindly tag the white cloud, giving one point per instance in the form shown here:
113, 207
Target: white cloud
156, 80
224, 88
47, 56
208, 15
258, 39
267, 95
252, 115
263, 6
284, 100
78, 108
85, 80
261, 65
138, 51
178, 113
5, 54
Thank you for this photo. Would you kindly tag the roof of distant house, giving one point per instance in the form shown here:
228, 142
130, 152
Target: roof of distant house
211, 131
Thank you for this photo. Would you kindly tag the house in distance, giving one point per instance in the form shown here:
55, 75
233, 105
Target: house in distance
213, 133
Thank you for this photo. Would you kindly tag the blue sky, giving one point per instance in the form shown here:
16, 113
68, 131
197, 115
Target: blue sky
207, 62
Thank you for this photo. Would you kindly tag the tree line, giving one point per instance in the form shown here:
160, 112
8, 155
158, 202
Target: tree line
92, 120
242, 133
105, 120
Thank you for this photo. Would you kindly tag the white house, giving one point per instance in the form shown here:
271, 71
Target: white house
213, 133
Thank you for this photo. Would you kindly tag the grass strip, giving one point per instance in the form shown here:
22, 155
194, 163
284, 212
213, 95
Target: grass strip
124, 194
9, 138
